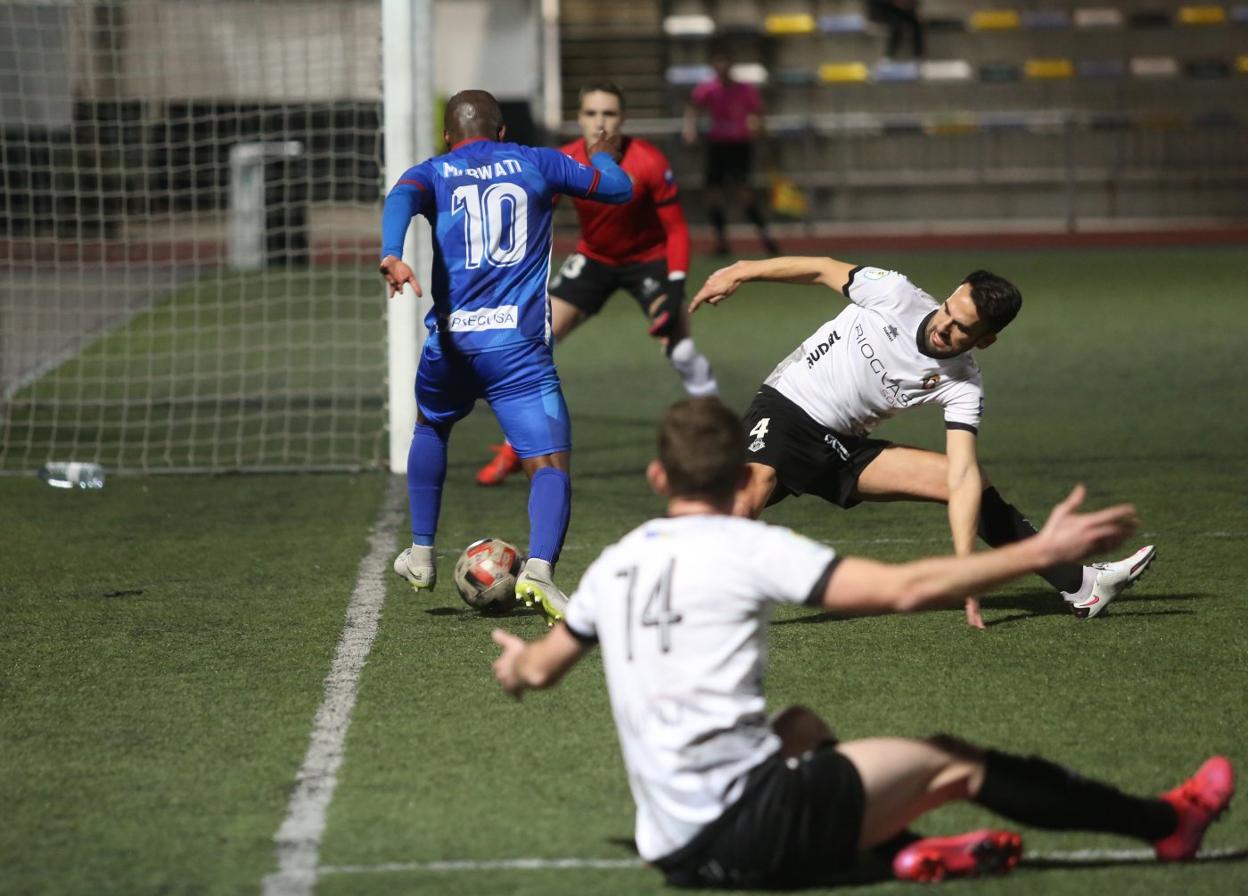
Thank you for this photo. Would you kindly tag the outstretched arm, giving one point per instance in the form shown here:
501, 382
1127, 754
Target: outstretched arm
965, 490
862, 587
787, 269
535, 665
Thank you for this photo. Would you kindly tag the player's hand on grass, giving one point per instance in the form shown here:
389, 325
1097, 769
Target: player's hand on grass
608, 144
397, 273
1069, 536
719, 286
505, 671
974, 618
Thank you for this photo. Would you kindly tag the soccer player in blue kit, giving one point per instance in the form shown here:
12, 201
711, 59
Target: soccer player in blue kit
489, 204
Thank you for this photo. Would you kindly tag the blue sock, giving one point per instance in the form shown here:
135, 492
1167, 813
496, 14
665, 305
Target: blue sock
550, 507
426, 471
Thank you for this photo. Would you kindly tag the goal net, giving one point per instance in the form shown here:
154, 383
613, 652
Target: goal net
188, 219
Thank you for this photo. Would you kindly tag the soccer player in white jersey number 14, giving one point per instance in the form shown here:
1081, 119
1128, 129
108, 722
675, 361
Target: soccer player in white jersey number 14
680, 608
893, 348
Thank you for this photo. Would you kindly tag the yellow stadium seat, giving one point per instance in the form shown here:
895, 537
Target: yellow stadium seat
1048, 69
1202, 15
952, 126
843, 72
797, 23
1241, 64
994, 20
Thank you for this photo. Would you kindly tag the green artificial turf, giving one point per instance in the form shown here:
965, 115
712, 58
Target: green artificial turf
165, 639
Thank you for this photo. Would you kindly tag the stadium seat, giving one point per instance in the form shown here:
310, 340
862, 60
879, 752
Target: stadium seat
688, 75
1094, 69
946, 70
1239, 15
1154, 67
1098, 17
845, 23
1042, 19
688, 26
1048, 69
999, 73
993, 20
1207, 68
749, 73
1218, 118
951, 125
789, 24
1003, 121
794, 76
843, 72
887, 71
1241, 64
1201, 15
1150, 19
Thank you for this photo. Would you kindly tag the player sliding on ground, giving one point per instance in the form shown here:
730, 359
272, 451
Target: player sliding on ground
680, 608
892, 348
489, 204
641, 246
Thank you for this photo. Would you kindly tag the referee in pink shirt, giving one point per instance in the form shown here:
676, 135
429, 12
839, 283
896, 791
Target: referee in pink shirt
735, 112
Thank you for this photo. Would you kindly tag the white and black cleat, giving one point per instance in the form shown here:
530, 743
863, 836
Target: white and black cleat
1112, 579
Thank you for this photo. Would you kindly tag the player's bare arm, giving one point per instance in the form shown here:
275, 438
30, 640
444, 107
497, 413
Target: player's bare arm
787, 269
525, 666
865, 587
965, 489
397, 273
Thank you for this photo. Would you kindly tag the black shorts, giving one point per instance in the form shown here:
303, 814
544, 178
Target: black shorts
797, 824
807, 457
587, 284
728, 163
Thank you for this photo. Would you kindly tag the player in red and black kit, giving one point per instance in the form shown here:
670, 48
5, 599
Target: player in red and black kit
641, 246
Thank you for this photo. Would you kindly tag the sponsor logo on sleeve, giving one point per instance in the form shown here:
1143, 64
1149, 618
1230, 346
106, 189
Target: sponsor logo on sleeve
504, 317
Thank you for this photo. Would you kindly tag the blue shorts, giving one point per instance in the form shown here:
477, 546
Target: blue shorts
519, 382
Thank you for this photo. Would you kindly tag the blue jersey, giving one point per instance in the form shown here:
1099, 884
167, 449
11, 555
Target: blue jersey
490, 206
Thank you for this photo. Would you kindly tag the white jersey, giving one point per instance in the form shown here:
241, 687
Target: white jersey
866, 364
680, 607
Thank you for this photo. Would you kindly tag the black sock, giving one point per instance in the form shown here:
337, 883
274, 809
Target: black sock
755, 217
1041, 794
717, 223
1001, 523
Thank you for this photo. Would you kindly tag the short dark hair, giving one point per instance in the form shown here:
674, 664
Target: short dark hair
472, 113
996, 299
702, 448
602, 87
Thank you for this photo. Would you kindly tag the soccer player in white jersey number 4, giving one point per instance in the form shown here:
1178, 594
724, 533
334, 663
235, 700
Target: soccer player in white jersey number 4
680, 607
894, 347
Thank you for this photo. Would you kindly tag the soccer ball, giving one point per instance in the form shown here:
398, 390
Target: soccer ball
485, 575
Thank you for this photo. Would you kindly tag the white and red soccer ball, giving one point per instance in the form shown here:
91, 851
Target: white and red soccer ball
485, 575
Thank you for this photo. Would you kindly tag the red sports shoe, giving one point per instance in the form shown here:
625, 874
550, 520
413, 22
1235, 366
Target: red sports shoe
979, 852
505, 463
1198, 802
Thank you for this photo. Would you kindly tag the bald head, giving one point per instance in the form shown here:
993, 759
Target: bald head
472, 113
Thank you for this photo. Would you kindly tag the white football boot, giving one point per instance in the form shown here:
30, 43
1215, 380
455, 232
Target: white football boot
536, 585
1111, 580
416, 564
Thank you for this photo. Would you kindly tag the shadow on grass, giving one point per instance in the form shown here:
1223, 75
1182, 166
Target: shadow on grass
1032, 604
1128, 857
1046, 603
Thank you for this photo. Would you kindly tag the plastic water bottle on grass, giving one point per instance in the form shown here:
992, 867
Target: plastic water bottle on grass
72, 474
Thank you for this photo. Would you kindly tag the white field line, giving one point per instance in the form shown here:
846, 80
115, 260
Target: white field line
1072, 857
299, 837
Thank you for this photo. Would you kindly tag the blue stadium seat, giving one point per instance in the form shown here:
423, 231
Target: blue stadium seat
1045, 18
844, 23
887, 71
1239, 15
1094, 69
688, 75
